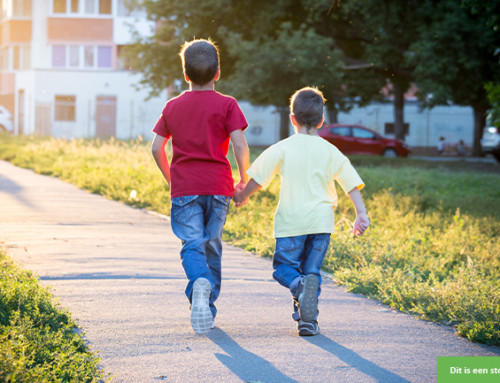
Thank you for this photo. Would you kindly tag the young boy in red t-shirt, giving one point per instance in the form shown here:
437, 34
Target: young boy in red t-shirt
201, 122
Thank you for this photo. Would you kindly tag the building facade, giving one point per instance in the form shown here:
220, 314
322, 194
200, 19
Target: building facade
61, 71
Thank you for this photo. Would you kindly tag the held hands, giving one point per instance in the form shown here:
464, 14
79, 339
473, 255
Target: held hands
238, 195
361, 224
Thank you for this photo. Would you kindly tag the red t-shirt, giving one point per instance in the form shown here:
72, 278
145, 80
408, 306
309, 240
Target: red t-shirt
199, 123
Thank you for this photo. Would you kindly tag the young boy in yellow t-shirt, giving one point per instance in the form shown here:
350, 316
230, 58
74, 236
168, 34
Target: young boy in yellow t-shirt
304, 219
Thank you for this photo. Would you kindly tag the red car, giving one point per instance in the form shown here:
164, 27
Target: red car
357, 139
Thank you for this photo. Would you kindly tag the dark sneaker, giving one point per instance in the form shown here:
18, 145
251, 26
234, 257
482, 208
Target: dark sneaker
307, 328
201, 316
307, 296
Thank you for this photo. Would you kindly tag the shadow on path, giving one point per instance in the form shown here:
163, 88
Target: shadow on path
355, 361
248, 366
104, 276
8, 186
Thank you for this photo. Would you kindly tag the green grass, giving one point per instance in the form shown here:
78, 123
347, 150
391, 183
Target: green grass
38, 342
432, 250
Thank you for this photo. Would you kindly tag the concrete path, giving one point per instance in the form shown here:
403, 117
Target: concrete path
117, 269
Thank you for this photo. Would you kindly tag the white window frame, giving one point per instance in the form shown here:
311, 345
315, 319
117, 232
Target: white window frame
24, 62
81, 57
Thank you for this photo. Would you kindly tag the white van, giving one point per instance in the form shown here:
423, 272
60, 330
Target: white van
6, 124
490, 143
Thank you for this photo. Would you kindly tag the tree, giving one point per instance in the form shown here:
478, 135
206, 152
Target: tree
493, 91
375, 37
268, 50
457, 55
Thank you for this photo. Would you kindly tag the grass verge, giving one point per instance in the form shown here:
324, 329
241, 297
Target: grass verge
38, 342
432, 249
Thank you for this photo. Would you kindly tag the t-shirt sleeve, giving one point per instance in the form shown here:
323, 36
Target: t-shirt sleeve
266, 166
347, 177
235, 119
161, 127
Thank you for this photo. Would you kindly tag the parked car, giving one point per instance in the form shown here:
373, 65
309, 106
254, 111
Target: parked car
6, 124
490, 143
357, 139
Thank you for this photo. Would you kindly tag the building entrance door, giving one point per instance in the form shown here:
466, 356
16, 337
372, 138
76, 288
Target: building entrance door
105, 116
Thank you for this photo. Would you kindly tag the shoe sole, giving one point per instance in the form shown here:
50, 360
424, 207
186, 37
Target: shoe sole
307, 332
308, 300
201, 316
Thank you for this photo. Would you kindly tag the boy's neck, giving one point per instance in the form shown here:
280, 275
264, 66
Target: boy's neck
208, 86
304, 130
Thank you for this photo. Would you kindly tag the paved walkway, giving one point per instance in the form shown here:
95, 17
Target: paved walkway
117, 269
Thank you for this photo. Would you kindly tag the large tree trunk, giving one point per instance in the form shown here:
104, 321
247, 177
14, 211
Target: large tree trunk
333, 115
284, 122
479, 124
399, 105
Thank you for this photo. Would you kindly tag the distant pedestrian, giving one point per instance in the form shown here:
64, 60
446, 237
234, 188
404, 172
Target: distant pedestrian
308, 166
461, 148
201, 122
441, 145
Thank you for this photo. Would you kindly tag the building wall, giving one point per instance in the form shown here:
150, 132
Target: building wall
30, 92
453, 122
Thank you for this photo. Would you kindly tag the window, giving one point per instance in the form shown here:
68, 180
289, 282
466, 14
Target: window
361, 133
21, 57
125, 8
90, 6
17, 58
5, 59
59, 6
105, 7
22, 8
122, 61
74, 56
104, 57
82, 57
89, 56
102, 7
344, 131
65, 108
58, 56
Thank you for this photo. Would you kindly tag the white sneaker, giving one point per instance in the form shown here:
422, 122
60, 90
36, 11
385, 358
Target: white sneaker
201, 316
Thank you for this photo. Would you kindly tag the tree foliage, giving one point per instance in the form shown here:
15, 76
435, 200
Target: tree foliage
350, 49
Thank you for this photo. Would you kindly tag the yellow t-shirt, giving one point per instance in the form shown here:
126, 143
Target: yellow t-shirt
308, 166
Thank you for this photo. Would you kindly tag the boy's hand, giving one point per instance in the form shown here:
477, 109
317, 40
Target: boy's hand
237, 196
361, 224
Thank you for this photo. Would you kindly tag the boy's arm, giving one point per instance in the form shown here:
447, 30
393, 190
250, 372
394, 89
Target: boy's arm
242, 155
241, 196
160, 156
362, 222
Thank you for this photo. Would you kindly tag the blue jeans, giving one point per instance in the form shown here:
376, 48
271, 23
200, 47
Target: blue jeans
198, 222
297, 256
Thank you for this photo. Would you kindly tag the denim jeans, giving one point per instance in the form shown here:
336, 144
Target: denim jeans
198, 222
297, 256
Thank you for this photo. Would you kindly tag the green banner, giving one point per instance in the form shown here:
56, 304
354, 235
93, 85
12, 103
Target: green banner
468, 369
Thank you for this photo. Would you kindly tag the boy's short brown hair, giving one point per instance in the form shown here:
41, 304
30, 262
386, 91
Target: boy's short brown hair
200, 60
306, 105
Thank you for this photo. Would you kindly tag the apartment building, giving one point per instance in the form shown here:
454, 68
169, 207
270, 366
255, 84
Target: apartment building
61, 71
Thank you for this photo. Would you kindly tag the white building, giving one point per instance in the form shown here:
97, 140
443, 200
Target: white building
61, 72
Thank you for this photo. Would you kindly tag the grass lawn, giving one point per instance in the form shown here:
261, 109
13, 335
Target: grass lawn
432, 250
38, 342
